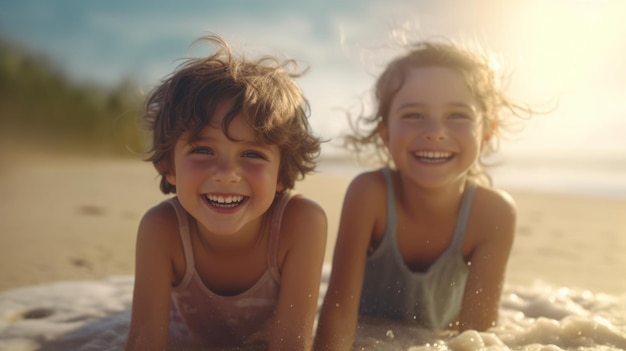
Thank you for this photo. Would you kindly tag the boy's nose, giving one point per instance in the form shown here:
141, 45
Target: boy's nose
226, 171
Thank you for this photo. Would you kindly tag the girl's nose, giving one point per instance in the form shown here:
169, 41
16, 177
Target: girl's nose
434, 130
226, 171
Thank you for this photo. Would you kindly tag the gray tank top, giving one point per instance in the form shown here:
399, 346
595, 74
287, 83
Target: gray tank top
431, 299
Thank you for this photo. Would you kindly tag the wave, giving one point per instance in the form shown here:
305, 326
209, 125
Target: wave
94, 315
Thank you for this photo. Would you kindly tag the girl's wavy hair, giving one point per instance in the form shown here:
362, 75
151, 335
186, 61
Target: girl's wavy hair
480, 78
262, 91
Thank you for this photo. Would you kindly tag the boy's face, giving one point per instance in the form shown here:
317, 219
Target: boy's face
225, 185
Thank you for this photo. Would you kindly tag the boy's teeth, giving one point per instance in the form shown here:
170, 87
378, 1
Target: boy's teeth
225, 199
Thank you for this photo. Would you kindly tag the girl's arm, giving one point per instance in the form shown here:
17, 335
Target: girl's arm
153, 278
303, 233
339, 314
488, 261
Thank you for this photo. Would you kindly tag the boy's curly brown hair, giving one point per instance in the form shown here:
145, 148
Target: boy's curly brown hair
262, 91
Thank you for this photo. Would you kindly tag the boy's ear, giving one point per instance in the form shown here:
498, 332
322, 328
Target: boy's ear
171, 178
279, 187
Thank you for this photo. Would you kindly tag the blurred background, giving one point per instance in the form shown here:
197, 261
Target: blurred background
73, 75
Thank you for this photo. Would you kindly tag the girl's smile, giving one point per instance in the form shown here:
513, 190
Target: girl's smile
433, 129
433, 157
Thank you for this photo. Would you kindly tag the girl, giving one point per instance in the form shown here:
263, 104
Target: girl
426, 239
234, 255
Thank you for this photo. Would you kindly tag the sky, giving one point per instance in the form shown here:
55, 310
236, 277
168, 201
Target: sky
573, 51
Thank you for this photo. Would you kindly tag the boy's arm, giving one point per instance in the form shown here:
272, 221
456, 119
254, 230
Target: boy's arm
481, 300
303, 234
153, 278
339, 314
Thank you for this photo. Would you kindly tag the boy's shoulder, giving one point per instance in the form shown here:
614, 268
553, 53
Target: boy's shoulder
300, 206
160, 218
161, 211
303, 227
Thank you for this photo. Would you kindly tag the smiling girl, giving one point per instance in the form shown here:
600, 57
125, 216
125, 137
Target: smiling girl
426, 239
234, 256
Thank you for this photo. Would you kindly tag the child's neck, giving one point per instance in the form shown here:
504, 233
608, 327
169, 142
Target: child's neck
441, 201
244, 240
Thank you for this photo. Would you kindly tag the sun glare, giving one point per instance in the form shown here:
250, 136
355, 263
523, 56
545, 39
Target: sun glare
570, 52
566, 40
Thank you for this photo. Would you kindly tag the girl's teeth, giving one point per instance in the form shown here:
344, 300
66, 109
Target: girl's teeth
433, 154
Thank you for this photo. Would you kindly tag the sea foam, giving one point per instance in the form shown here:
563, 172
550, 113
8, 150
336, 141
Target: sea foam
94, 315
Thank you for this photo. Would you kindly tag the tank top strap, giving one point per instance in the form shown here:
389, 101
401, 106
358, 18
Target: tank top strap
391, 203
463, 216
183, 230
274, 222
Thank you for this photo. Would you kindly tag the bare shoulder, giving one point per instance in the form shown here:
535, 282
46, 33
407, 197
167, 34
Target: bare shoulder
303, 215
160, 218
366, 196
303, 230
300, 207
368, 182
494, 213
494, 202
159, 227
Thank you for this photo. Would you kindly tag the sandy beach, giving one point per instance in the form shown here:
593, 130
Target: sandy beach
74, 218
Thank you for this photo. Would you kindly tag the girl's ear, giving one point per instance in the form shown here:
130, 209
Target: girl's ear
488, 129
383, 131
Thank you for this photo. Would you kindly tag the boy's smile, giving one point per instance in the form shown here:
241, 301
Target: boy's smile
225, 201
226, 184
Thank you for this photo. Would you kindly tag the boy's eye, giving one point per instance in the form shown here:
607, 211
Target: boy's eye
413, 115
201, 150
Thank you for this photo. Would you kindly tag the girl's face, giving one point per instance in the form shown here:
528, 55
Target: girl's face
434, 128
225, 185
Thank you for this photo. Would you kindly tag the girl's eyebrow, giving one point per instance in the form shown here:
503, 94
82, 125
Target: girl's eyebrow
423, 105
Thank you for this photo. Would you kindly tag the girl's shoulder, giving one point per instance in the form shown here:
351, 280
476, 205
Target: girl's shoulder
369, 182
493, 213
493, 201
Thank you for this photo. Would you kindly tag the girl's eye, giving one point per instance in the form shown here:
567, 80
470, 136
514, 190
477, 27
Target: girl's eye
459, 116
253, 154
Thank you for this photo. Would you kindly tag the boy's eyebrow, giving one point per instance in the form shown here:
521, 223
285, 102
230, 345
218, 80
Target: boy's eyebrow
246, 142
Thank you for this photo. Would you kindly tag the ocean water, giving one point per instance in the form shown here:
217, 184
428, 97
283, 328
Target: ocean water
584, 175
94, 315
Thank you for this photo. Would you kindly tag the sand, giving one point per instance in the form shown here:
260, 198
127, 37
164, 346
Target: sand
74, 218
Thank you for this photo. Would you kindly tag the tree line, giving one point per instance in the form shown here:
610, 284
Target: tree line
42, 107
